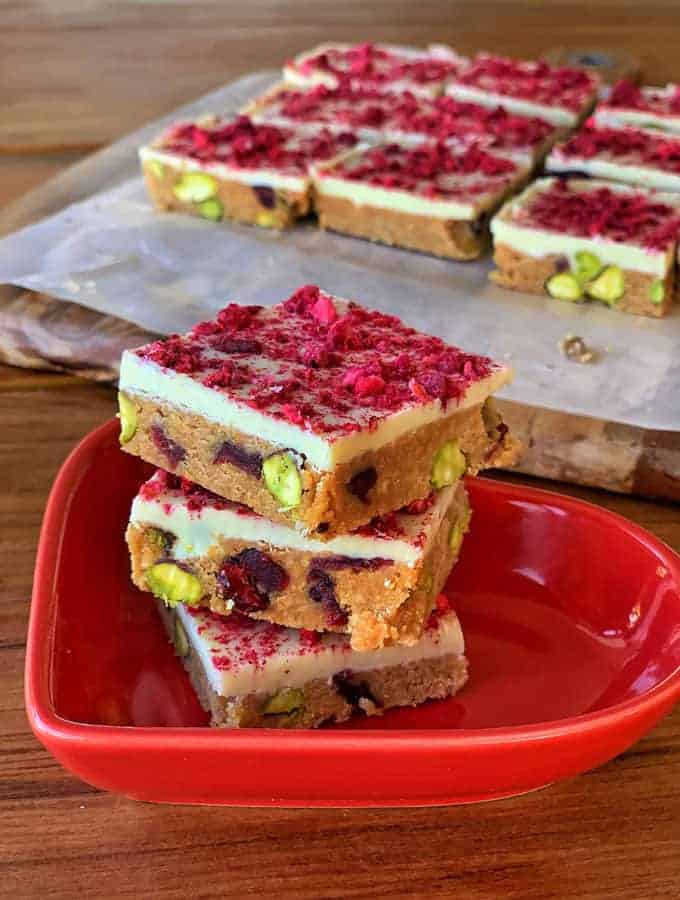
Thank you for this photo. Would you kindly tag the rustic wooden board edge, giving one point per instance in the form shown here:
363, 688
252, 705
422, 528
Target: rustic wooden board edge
595, 453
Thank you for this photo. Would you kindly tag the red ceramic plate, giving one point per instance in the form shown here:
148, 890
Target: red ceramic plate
572, 621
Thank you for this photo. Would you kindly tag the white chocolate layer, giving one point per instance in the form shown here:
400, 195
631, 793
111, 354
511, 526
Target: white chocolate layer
538, 243
285, 660
555, 114
196, 531
644, 176
390, 198
613, 117
296, 183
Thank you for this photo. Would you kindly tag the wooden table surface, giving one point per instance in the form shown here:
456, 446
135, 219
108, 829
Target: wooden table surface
74, 75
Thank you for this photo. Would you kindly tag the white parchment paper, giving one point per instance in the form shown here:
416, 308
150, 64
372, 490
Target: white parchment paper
111, 252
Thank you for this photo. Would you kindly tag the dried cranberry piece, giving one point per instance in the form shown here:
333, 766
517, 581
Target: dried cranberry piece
246, 460
250, 577
234, 583
268, 576
352, 691
360, 484
173, 452
265, 196
321, 589
561, 264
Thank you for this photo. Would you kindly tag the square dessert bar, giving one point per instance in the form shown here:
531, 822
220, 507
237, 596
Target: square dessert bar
585, 239
377, 583
561, 95
631, 155
377, 66
362, 111
457, 122
307, 411
641, 107
250, 674
404, 117
430, 197
237, 169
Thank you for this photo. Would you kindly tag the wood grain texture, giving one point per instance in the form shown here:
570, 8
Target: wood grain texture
79, 72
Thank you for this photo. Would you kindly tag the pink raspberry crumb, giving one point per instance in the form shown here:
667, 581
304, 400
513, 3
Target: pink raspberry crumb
324, 310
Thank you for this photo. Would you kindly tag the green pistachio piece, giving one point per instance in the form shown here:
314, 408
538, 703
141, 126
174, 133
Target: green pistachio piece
195, 187
588, 266
173, 585
282, 479
287, 701
266, 220
458, 532
156, 167
564, 287
456, 537
180, 639
127, 413
448, 465
211, 209
657, 291
608, 286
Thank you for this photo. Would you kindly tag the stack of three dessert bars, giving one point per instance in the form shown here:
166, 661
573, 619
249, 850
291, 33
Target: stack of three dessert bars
309, 505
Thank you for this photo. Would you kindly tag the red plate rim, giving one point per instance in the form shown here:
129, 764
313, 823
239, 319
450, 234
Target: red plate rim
45, 721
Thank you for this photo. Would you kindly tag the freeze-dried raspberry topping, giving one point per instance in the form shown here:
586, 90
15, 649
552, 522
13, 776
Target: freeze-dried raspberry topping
432, 170
628, 146
659, 101
442, 119
372, 64
164, 486
329, 366
243, 144
534, 81
237, 642
343, 105
446, 118
622, 216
